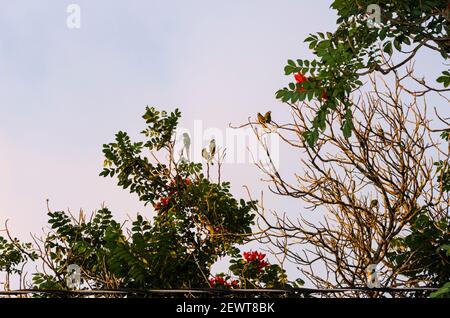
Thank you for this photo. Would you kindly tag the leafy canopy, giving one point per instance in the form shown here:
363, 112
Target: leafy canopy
356, 49
196, 222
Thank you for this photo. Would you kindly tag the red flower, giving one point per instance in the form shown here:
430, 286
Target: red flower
257, 259
178, 180
300, 78
324, 95
218, 281
253, 256
164, 201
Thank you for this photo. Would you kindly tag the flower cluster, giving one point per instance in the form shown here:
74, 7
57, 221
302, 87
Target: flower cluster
178, 181
173, 186
300, 78
162, 203
257, 259
220, 281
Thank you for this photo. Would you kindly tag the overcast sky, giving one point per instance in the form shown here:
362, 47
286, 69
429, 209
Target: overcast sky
64, 92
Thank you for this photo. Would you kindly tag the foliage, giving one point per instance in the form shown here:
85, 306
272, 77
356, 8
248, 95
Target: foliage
443, 292
197, 220
364, 190
444, 174
255, 272
13, 254
428, 245
428, 242
78, 242
356, 49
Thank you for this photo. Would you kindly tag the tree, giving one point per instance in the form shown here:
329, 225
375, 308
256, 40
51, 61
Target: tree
428, 241
13, 255
366, 189
197, 221
423, 254
356, 49
79, 241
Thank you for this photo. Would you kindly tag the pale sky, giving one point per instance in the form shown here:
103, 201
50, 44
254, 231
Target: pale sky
64, 92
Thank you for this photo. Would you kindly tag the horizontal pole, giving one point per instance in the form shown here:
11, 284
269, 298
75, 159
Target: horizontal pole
216, 291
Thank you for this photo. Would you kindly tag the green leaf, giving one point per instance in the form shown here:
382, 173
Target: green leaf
398, 44
444, 291
311, 137
347, 129
388, 48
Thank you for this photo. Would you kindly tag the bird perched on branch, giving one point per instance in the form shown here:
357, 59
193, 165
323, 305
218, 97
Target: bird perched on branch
266, 119
209, 155
205, 155
212, 148
380, 132
373, 204
382, 135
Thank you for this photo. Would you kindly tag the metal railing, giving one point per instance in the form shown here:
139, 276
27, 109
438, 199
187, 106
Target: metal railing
216, 292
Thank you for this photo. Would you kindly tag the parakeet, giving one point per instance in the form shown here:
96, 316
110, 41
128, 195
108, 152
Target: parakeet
187, 145
209, 155
261, 120
212, 148
266, 119
373, 204
205, 155
382, 135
